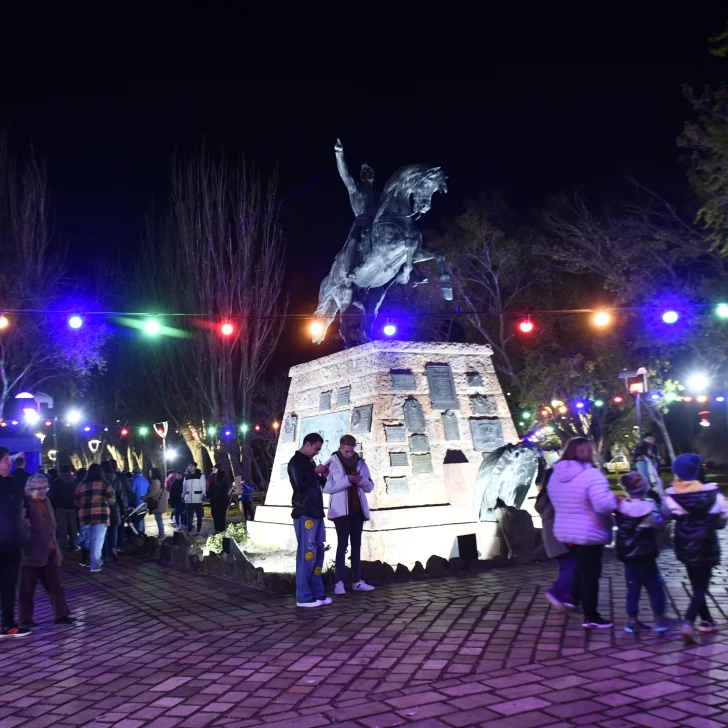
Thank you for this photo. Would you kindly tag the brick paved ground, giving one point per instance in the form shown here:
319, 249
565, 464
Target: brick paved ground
158, 648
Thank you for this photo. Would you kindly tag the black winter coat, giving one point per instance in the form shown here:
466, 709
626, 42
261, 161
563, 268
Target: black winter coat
62, 493
635, 543
696, 537
219, 490
308, 498
13, 531
175, 492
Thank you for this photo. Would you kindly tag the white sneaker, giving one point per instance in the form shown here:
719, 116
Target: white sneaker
314, 603
362, 586
326, 600
339, 588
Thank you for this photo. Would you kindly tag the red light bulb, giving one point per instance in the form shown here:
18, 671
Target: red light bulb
526, 326
618, 400
124, 432
227, 329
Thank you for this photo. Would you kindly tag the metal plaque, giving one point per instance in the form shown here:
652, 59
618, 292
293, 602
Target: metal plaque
487, 434
474, 379
332, 427
450, 425
419, 443
398, 459
480, 404
414, 417
422, 464
395, 433
284, 471
289, 429
403, 380
396, 485
442, 387
361, 419
325, 401
342, 397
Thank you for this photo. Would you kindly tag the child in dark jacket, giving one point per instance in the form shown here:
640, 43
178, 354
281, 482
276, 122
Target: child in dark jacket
699, 511
637, 522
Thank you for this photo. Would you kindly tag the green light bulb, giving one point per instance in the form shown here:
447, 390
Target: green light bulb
211, 430
243, 428
143, 431
598, 403
526, 415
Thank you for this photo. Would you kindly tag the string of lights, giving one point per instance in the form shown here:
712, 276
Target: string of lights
152, 324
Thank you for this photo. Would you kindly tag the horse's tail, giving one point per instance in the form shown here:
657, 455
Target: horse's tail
326, 310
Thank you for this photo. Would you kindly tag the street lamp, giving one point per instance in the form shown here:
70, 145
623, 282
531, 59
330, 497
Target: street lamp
637, 388
698, 382
73, 417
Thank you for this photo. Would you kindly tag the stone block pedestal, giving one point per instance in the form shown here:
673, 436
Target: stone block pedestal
407, 404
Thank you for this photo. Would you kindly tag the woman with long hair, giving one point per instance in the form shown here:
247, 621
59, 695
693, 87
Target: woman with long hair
94, 500
219, 494
583, 506
156, 499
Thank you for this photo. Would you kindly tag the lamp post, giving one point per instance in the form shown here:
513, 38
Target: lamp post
638, 388
161, 429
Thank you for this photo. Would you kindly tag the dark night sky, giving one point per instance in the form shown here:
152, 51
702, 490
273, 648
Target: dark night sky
531, 106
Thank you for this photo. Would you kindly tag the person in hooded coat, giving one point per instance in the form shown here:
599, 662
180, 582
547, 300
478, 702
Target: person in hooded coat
699, 510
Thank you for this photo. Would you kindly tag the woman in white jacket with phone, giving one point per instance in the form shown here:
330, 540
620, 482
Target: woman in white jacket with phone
347, 483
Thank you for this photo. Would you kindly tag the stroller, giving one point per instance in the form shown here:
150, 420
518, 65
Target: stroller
135, 516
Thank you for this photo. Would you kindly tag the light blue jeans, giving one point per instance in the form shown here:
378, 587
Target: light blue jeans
91, 537
311, 536
159, 517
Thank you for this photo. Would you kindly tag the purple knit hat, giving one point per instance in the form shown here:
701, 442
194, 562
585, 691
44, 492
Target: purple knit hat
635, 485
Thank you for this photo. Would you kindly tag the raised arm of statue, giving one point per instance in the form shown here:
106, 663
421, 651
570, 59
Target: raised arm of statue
343, 169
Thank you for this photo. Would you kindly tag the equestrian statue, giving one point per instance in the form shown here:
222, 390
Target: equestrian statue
383, 245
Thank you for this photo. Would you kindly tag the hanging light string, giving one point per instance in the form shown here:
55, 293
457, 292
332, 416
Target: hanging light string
721, 309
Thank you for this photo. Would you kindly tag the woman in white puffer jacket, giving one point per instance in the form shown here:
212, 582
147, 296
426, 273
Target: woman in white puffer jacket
583, 504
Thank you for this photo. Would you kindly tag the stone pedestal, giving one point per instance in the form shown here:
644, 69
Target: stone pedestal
407, 404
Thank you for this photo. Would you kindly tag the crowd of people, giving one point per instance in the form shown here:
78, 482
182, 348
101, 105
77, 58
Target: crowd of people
42, 515
579, 512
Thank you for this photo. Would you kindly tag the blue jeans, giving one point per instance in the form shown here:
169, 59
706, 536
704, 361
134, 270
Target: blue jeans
140, 526
92, 537
311, 537
179, 514
563, 587
159, 517
112, 538
644, 573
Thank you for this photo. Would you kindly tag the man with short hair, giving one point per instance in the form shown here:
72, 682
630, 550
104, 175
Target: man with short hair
307, 480
348, 483
20, 473
194, 489
62, 495
140, 488
13, 535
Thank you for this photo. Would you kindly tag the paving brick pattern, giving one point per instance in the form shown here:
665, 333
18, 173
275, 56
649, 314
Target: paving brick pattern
161, 648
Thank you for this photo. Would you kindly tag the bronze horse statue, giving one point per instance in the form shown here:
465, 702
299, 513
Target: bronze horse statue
372, 260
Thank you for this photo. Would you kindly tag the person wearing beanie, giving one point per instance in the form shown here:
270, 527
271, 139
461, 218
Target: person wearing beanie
638, 520
699, 510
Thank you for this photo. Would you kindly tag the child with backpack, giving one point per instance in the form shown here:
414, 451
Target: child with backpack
638, 521
699, 510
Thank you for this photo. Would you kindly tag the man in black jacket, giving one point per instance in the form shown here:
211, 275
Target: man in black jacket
62, 495
13, 534
308, 481
20, 473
